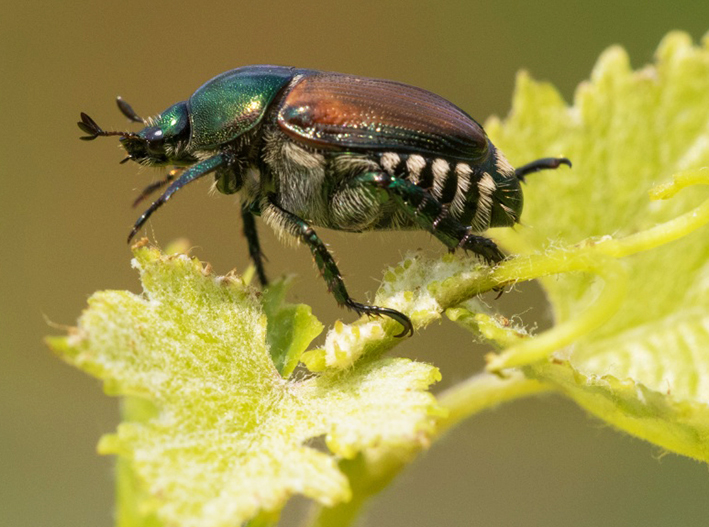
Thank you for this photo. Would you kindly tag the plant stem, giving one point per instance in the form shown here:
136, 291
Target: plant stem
602, 309
670, 230
596, 257
369, 474
483, 392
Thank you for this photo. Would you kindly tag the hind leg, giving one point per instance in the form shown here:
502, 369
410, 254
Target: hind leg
422, 208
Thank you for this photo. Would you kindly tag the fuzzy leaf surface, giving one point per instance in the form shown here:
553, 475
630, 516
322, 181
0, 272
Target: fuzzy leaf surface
228, 437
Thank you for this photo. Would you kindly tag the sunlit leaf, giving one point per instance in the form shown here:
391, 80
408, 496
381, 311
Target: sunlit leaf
647, 369
227, 437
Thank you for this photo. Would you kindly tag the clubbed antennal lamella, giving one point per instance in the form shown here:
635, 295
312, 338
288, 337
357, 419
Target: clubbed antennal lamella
89, 126
127, 110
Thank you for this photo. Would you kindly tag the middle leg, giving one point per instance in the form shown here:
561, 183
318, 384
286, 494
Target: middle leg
251, 235
299, 228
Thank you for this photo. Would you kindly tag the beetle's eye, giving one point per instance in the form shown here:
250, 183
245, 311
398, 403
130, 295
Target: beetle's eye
156, 140
155, 135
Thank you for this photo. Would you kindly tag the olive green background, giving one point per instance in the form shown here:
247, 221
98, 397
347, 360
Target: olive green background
65, 212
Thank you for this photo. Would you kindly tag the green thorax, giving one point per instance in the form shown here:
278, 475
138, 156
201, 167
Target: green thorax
233, 103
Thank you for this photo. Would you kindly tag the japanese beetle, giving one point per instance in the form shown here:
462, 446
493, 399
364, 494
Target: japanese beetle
309, 148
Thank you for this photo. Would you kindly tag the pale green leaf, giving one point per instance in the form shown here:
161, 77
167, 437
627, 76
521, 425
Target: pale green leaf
225, 437
291, 327
646, 370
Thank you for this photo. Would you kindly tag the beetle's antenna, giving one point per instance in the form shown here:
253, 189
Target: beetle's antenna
127, 110
540, 164
89, 126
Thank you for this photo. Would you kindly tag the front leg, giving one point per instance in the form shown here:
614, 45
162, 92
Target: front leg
299, 228
428, 213
189, 175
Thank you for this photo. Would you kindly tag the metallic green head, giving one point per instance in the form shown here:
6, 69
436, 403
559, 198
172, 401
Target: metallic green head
165, 141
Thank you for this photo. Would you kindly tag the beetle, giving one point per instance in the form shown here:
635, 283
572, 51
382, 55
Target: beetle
309, 148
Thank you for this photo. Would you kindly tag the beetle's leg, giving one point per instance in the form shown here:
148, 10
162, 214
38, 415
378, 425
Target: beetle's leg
254, 246
540, 164
299, 228
431, 215
156, 185
194, 172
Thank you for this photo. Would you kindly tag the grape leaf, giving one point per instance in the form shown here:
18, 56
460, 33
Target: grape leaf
228, 437
646, 370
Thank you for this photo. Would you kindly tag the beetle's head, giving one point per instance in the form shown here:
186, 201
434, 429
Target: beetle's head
163, 141
504, 190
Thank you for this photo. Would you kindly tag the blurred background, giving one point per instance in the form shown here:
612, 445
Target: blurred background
65, 213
